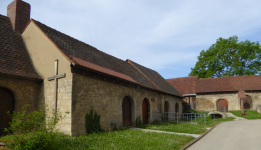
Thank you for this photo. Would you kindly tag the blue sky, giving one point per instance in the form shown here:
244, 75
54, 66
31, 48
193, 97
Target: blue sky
166, 36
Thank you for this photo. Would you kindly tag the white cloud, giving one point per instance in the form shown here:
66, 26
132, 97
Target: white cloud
166, 36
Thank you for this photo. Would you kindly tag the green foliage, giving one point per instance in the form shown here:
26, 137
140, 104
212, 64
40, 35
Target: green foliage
250, 114
138, 121
92, 122
228, 57
33, 130
120, 140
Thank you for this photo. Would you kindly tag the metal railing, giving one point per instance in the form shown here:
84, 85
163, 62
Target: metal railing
199, 118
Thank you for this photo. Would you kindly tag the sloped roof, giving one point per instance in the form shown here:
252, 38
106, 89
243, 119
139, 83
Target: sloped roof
185, 85
82, 54
156, 79
14, 58
226, 84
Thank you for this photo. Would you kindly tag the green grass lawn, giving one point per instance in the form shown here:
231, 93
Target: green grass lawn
250, 114
185, 127
124, 139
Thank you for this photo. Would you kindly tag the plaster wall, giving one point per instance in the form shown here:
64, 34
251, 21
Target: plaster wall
43, 53
106, 99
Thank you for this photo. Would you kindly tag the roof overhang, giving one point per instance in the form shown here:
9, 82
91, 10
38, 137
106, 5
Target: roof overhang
186, 95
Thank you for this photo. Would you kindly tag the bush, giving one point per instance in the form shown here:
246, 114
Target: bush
92, 122
32, 131
138, 121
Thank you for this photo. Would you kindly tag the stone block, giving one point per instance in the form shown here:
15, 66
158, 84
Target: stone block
69, 90
2, 83
69, 82
258, 108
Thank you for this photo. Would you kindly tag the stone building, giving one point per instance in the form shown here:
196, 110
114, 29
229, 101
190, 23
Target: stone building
229, 93
73, 76
19, 82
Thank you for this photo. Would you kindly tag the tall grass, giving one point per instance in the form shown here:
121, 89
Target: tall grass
125, 139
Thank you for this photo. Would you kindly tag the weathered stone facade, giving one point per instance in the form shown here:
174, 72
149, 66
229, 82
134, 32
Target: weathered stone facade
25, 91
106, 98
207, 102
64, 101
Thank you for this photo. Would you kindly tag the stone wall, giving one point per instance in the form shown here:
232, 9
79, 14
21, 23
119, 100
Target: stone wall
25, 91
106, 98
64, 101
207, 102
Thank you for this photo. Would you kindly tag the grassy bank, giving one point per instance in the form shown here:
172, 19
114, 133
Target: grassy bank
125, 139
250, 114
185, 127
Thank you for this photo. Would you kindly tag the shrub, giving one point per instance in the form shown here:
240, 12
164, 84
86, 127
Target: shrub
34, 130
138, 121
92, 122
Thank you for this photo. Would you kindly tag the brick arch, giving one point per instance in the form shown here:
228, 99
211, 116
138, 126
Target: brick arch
148, 110
166, 110
248, 102
222, 98
224, 106
133, 109
17, 92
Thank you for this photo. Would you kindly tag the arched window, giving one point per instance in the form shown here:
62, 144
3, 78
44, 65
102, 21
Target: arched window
166, 110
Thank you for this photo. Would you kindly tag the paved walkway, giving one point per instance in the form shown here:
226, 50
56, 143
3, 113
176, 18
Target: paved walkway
236, 117
147, 130
232, 135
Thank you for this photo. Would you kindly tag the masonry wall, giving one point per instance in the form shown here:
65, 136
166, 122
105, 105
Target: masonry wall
64, 101
106, 98
43, 54
207, 102
25, 91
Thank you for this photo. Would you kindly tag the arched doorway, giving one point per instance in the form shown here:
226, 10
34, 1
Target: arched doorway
247, 102
126, 111
7, 103
177, 108
222, 105
166, 110
176, 111
145, 111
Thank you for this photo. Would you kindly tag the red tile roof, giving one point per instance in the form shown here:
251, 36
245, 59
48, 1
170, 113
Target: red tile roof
90, 57
98, 68
14, 58
225, 84
185, 85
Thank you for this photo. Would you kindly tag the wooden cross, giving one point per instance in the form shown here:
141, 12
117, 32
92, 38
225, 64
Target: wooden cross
55, 78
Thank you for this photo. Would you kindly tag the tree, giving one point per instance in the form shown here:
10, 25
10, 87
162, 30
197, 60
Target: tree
228, 57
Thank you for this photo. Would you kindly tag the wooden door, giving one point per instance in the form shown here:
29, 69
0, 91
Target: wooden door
166, 111
126, 111
222, 105
7, 103
145, 115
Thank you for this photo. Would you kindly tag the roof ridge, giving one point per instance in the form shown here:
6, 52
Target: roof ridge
4, 17
129, 61
142, 65
182, 77
231, 77
63, 34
